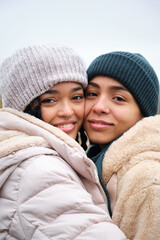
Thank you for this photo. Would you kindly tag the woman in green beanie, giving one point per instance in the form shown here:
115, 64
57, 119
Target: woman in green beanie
121, 103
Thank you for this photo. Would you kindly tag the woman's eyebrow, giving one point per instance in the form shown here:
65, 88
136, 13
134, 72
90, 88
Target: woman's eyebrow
51, 91
114, 87
118, 88
77, 89
54, 91
94, 84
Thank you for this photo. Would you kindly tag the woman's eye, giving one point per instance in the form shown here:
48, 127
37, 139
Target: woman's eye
91, 94
119, 99
78, 97
47, 101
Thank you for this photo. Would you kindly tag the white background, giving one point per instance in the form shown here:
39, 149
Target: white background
91, 27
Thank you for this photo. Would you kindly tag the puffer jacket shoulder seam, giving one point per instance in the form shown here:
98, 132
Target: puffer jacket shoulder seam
18, 184
16, 210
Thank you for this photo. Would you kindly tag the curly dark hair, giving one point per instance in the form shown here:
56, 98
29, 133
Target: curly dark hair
34, 108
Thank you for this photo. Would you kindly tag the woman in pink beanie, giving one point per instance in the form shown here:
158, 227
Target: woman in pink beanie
49, 189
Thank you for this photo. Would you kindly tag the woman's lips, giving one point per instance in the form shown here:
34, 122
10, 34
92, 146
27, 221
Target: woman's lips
66, 126
99, 124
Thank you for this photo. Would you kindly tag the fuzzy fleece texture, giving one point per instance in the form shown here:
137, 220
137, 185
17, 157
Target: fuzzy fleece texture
131, 172
49, 189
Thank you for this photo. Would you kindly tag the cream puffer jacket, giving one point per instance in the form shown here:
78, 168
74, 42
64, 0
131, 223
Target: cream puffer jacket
49, 189
131, 172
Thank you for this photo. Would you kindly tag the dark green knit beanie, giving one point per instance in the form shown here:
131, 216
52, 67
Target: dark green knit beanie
134, 72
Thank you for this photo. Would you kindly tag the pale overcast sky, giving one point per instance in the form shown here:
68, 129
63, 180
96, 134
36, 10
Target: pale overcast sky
91, 27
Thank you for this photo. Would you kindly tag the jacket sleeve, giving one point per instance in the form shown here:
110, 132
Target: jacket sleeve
53, 204
137, 209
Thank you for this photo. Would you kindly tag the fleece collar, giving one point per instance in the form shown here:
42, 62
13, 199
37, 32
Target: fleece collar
133, 146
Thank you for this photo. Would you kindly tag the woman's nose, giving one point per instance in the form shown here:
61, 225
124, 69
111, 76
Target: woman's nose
101, 106
66, 109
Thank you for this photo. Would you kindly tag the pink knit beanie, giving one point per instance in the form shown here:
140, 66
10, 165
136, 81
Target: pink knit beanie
33, 70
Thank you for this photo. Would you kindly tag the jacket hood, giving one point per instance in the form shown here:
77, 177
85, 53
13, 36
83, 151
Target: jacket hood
133, 146
20, 131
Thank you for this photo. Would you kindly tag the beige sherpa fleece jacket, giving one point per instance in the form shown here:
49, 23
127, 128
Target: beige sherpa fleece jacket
131, 172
